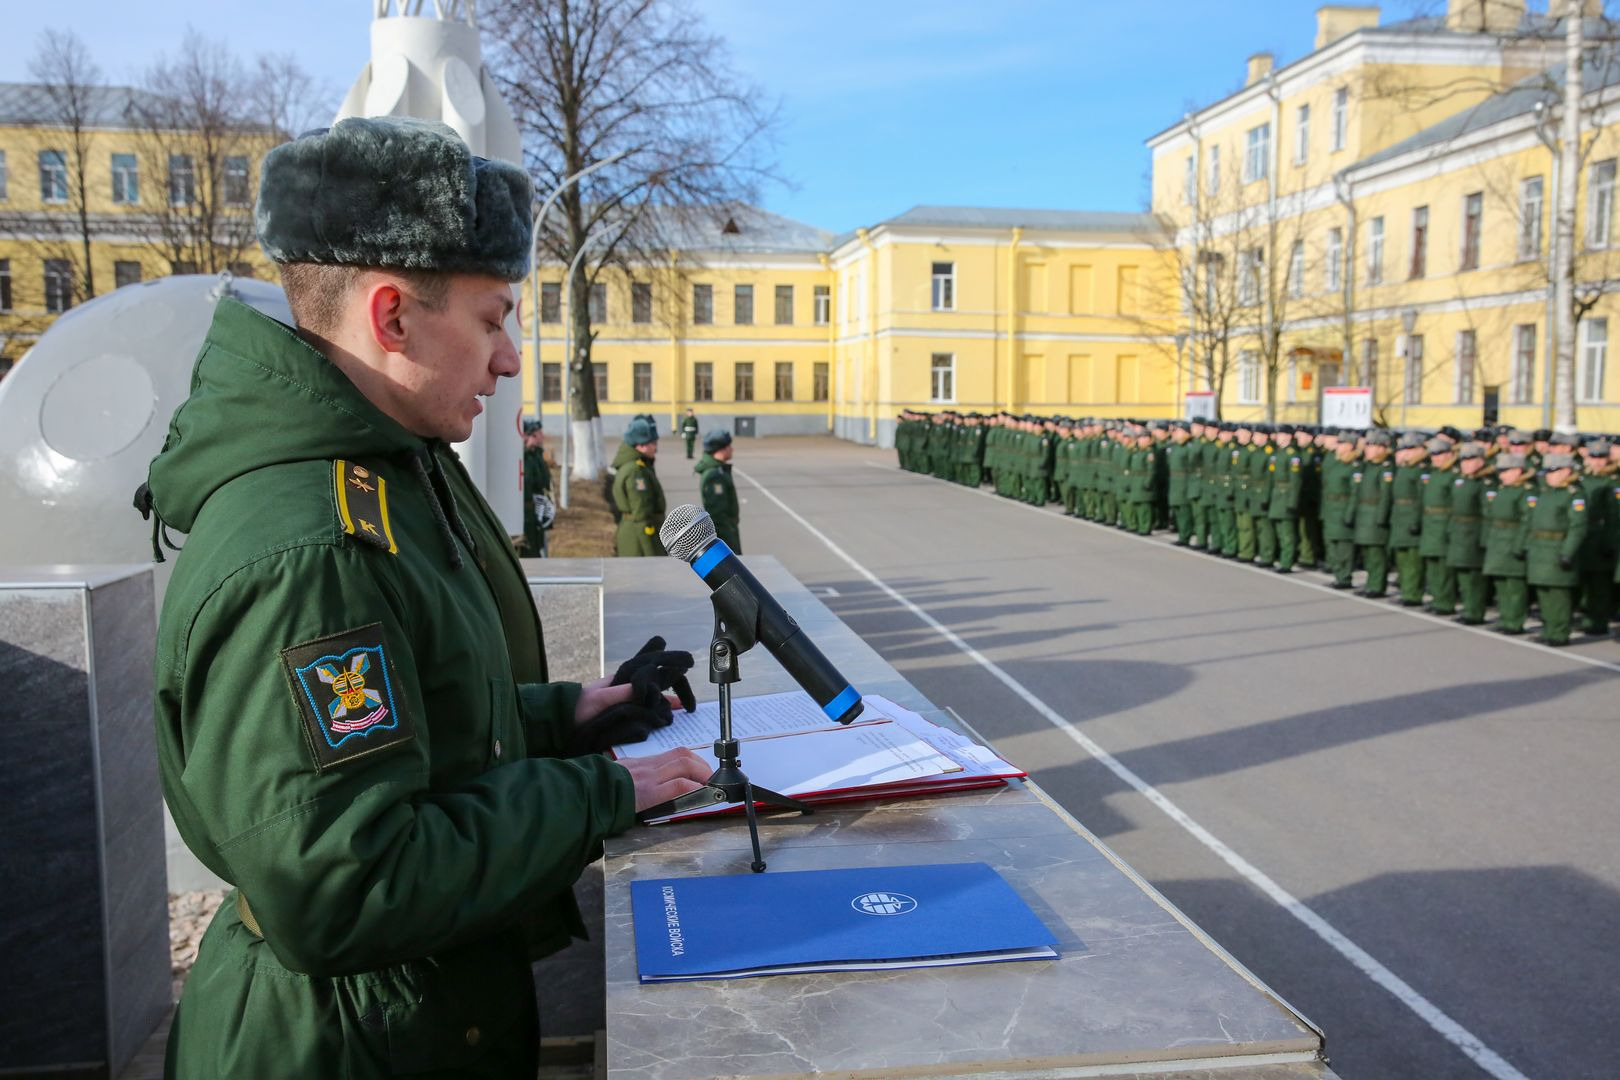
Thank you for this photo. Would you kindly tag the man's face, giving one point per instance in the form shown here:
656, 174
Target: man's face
1244, 435
1472, 465
647, 449
722, 454
452, 357
1560, 477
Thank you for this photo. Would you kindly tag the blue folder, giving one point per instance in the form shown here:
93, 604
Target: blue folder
819, 920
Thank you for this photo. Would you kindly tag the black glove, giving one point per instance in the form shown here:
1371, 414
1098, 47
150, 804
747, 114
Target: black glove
650, 672
1565, 562
1414, 530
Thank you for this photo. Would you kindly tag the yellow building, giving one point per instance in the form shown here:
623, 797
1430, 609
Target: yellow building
1384, 205
118, 201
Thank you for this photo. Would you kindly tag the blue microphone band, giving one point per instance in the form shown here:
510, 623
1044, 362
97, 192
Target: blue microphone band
711, 558
841, 704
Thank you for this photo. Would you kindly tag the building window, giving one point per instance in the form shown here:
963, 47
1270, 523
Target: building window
5, 284
182, 180
784, 305
1214, 170
821, 381
58, 286
1254, 260
126, 272
5, 177
1375, 251
942, 377
1414, 369
944, 291
742, 388
1302, 134
53, 182
641, 302
1420, 242
703, 309
597, 299
237, 190
784, 381
703, 381
743, 300
1257, 159
1473, 211
1594, 358
641, 383
126, 179
1522, 384
1296, 269
1599, 203
1369, 363
823, 303
181, 267
551, 301
1341, 116
1248, 378
1530, 201
599, 376
1189, 181
1333, 270
551, 382
1467, 355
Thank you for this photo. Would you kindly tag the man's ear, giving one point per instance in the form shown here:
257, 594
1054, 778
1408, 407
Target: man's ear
385, 310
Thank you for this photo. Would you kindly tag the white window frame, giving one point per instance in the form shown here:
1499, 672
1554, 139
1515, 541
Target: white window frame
182, 167
53, 178
1214, 170
1471, 245
1302, 134
1248, 377
5, 178
821, 296
1412, 370
126, 178
1369, 364
1532, 200
1522, 365
942, 286
1594, 359
1333, 261
1599, 203
942, 378
1296, 270
1465, 362
1375, 251
1249, 278
1189, 182
237, 172
1257, 153
1341, 116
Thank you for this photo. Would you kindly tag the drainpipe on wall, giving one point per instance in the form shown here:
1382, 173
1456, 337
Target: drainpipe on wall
832, 342
1012, 315
871, 337
675, 382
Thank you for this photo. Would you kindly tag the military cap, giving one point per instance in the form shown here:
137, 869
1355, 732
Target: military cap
718, 439
1541, 434
1411, 440
1519, 436
640, 432
1560, 461
1485, 434
1510, 460
394, 192
1470, 450
1379, 437
1565, 439
1451, 433
1599, 447
531, 426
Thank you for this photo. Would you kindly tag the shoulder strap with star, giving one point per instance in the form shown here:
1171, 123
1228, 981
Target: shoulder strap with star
362, 504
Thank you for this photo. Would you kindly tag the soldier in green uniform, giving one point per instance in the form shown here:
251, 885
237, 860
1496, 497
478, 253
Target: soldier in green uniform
1439, 579
1406, 517
1261, 469
536, 489
1556, 524
1601, 485
638, 495
1338, 510
1139, 492
1372, 489
1197, 513
1228, 464
1315, 446
1505, 526
715, 487
689, 431
1465, 531
1287, 470
1242, 512
354, 723
1181, 460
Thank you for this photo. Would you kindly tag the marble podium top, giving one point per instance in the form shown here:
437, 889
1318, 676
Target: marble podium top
1137, 985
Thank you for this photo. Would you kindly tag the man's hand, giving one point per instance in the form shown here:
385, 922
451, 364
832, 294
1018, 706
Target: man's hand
664, 776
631, 705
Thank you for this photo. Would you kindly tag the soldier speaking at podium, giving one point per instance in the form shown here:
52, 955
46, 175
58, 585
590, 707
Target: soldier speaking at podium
355, 726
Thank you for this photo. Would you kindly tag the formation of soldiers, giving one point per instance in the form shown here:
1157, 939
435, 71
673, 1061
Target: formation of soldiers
1454, 522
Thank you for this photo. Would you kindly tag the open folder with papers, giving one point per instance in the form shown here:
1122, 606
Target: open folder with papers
788, 745
857, 919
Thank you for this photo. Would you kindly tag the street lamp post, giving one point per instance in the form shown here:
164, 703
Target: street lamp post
568, 364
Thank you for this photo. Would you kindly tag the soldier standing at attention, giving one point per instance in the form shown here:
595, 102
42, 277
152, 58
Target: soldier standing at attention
1465, 531
1181, 457
1262, 467
1372, 488
716, 488
355, 727
1224, 514
1287, 489
1406, 517
1439, 579
536, 485
1598, 554
1338, 510
1243, 454
1197, 451
689, 431
1144, 467
1315, 446
1556, 528
1505, 521
638, 495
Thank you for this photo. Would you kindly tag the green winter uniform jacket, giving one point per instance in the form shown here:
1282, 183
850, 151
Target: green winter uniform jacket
639, 498
1602, 542
351, 706
1465, 525
1435, 506
1555, 520
720, 499
1372, 488
1505, 521
689, 429
1182, 463
1406, 506
1287, 471
1338, 489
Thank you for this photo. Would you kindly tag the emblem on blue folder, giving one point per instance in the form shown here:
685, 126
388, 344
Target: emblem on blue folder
884, 903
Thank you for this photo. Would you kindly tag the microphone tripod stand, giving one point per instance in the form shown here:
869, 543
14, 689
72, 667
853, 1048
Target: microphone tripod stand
736, 619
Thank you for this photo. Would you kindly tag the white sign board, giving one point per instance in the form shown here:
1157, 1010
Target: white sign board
1347, 406
1200, 405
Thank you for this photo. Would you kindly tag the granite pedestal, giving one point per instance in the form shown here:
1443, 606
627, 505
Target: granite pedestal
84, 922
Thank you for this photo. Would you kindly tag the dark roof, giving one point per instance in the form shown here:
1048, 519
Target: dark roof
995, 217
737, 227
31, 103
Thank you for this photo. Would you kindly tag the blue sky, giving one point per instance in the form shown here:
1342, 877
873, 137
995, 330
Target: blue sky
885, 103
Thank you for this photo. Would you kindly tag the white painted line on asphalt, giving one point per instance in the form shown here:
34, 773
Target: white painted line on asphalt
1291, 579
1453, 1032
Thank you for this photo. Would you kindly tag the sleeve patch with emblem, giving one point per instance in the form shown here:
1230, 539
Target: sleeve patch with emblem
719, 489
1578, 504
344, 687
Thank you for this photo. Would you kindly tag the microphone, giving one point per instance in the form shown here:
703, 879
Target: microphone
688, 534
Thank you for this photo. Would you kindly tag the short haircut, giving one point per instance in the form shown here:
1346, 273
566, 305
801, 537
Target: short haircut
318, 292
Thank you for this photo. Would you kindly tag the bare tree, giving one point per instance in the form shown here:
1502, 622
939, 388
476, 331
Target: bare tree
591, 79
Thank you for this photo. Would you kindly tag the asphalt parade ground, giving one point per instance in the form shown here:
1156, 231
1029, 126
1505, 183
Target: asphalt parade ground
1409, 829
